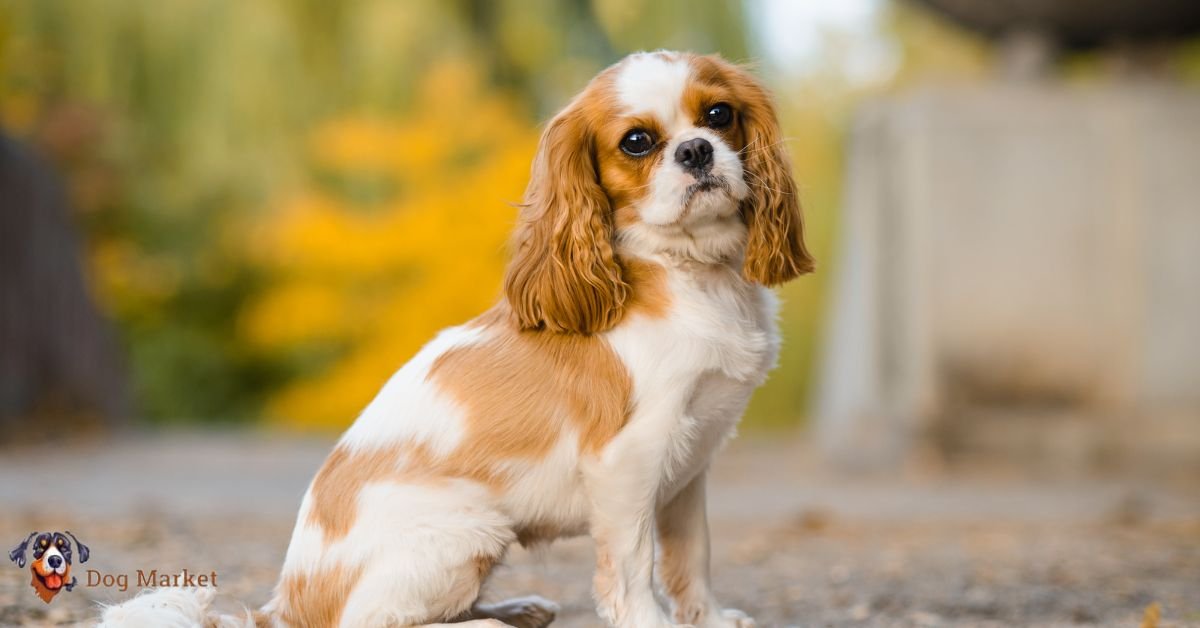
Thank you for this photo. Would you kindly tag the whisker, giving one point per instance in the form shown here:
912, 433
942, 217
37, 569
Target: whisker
746, 149
757, 181
633, 189
747, 146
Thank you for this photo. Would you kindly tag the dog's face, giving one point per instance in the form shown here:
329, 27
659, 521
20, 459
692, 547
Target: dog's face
51, 565
669, 151
663, 153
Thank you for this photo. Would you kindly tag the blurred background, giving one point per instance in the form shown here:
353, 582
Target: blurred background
228, 214
260, 195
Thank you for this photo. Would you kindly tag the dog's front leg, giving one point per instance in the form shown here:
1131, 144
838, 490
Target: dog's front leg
683, 561
622, 487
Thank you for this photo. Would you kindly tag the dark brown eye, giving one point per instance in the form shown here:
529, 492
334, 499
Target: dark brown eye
637, 143
719, 115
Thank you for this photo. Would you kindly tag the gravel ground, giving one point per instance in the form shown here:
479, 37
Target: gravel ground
794, 545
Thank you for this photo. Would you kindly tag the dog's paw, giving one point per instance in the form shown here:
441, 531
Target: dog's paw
733, 618
523, 612
712, 617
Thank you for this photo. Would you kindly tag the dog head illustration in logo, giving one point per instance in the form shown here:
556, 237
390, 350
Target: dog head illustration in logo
51, 566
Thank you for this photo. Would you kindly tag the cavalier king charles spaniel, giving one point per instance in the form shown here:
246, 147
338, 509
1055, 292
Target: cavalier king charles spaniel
636, 321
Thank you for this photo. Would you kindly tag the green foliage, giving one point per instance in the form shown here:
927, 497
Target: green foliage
185, 126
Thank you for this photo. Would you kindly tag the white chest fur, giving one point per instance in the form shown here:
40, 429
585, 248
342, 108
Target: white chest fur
693, 370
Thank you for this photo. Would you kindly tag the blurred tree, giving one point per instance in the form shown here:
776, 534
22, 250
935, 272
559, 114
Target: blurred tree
275, 189
58, 363
401, 232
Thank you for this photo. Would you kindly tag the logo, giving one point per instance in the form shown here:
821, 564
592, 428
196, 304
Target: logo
51, 566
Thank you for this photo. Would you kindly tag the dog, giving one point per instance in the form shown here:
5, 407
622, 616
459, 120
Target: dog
51, 566
635, 322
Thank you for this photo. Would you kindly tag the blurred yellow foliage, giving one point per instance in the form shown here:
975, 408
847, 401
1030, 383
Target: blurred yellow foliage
1151, 615
401, 231
127, 280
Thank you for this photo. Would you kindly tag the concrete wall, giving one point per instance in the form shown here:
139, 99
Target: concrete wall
1015, 246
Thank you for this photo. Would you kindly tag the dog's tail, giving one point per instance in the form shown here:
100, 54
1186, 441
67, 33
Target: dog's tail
176, 608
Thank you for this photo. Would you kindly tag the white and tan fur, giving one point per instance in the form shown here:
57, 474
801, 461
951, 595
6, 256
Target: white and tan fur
590, 400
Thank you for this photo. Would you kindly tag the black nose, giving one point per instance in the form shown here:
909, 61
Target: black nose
695, 154
55, 561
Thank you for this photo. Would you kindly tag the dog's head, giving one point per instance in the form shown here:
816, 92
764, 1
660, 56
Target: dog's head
52, 558
663, 153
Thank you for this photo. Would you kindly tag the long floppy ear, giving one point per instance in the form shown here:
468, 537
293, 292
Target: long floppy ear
17, 555
563, 276
775, 250
83, 550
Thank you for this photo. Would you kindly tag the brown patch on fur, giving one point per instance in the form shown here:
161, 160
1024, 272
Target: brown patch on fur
626, 179
709, 87
337, 485
563, 276
649, 294
538, 533
626, 216
336, 488
316, 599
520, 388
